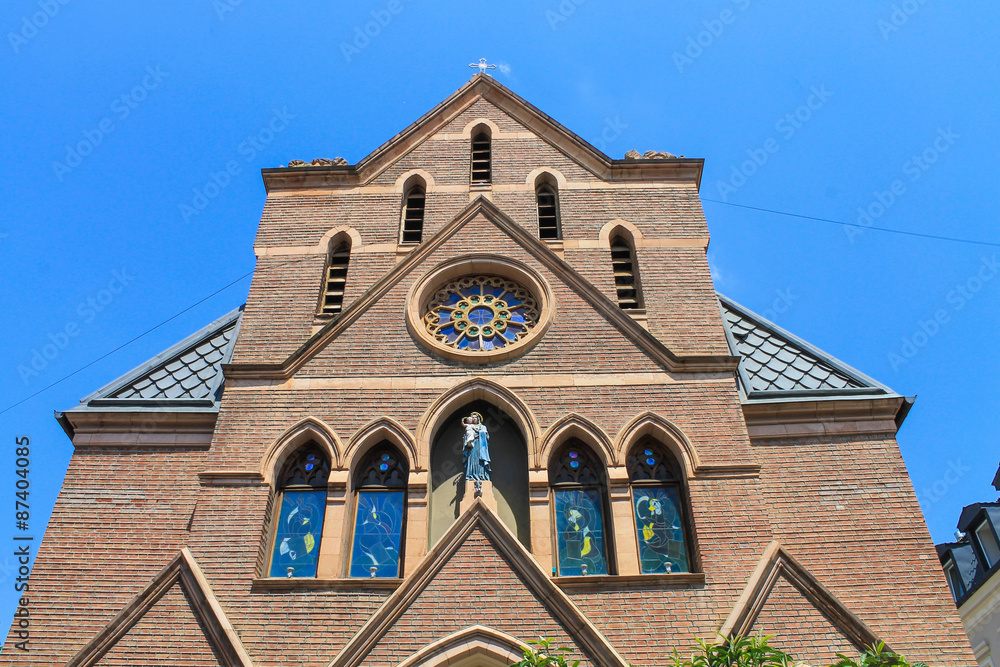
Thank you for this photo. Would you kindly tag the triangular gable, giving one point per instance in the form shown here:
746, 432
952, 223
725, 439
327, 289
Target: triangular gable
777, 364
188, 374
483, 531
775, 569
485, 87
182, 571
485, 208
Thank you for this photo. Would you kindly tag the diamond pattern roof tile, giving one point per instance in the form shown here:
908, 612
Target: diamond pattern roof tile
774, 360
187, 375
190, 370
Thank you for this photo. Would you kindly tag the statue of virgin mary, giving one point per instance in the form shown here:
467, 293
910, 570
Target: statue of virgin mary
476, 450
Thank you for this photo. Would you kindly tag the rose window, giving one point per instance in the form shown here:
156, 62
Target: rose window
480, 313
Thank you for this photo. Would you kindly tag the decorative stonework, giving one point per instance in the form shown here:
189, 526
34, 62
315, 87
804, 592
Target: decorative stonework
649, 155
479, 309
319, 162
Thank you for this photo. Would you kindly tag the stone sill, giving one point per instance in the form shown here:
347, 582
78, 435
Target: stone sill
679, 580
313, 584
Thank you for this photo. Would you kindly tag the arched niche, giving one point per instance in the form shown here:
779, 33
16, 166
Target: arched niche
475, 646
509, 464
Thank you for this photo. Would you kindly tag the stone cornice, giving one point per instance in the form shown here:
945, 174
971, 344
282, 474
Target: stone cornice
141, 427
822, 417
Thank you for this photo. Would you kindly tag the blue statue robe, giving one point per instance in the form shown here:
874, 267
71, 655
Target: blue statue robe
476, 452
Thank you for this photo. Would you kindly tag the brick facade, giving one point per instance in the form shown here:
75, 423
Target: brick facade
827, 484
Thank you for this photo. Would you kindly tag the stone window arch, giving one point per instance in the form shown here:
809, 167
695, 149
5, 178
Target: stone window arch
296, 532
580, 506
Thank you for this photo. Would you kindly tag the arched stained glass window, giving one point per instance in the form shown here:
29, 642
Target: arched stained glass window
657, 497
579, 502
302, 504
380, 483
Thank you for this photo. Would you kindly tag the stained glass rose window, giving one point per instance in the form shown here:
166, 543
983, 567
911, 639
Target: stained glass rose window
480, 313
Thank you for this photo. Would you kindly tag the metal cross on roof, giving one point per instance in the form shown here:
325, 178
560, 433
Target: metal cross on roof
482, 66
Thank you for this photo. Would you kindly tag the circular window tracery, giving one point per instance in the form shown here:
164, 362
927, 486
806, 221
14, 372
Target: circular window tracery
480, 313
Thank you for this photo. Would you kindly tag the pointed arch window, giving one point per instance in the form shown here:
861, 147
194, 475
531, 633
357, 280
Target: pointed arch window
658, 502
481, 158
548, 212
336, 279
626, 274
301, 499
380, 514
413, 214
579, 500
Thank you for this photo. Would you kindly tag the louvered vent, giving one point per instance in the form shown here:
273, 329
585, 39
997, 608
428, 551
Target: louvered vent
336, 280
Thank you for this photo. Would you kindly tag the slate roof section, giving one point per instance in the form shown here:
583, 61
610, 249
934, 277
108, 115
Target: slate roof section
778, 364
187, 376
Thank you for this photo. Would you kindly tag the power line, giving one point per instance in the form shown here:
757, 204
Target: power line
853, 224
144, 333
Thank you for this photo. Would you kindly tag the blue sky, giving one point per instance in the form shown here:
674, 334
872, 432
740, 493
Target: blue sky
119, 119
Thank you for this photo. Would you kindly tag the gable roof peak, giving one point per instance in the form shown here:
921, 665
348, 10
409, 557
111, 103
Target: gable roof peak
483, 86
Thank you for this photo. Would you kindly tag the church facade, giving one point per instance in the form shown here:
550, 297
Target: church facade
482, 392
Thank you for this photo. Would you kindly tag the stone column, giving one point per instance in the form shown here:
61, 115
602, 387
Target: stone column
334, 545
415, 547
541, 518
623, 524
